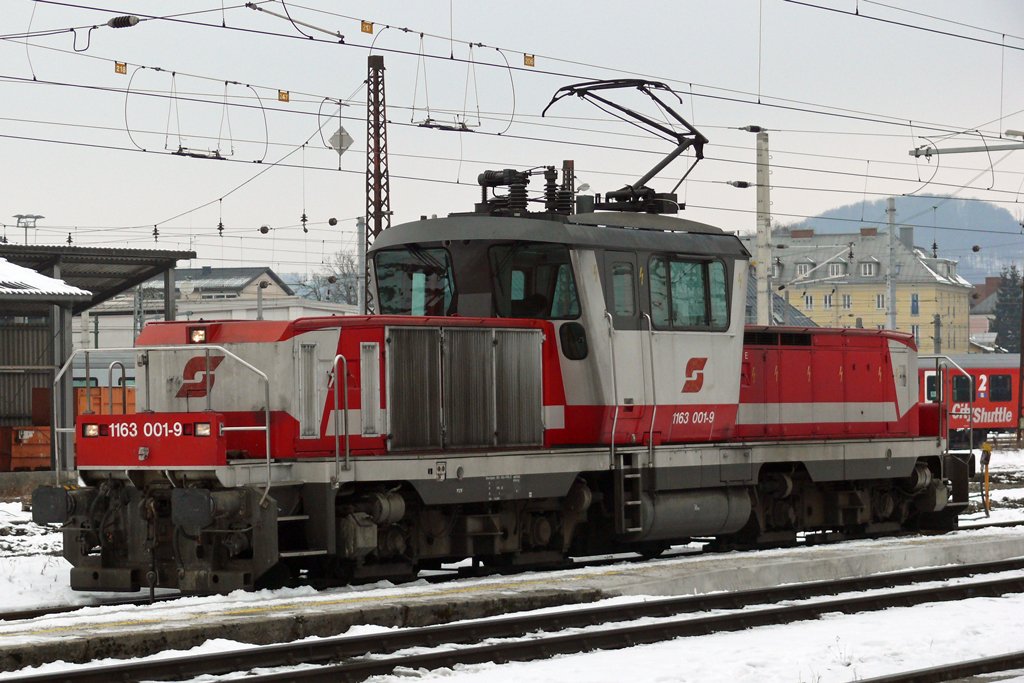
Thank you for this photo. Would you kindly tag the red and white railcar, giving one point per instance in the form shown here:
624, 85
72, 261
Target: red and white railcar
977, 393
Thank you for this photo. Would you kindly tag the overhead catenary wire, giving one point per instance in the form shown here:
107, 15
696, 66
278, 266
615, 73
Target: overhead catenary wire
653, 152
903, 24
787, 104
524, 137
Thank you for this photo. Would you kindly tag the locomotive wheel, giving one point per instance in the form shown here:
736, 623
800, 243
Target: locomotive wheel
649, 551
278, 576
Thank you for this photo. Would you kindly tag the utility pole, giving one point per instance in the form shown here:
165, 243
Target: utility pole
378, 200
764, 233
890, 303
27, 220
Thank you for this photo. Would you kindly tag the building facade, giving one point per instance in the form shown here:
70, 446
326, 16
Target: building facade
839, 280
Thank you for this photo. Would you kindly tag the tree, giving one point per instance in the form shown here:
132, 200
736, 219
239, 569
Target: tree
1006, 323
338, 281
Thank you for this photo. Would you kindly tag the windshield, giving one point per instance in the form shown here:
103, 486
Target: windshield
414, 281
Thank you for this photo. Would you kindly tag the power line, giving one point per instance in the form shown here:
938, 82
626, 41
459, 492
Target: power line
905, 25
947, 21
787, 103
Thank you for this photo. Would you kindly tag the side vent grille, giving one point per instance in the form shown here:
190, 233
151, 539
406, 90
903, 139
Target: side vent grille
414, 368
464, 388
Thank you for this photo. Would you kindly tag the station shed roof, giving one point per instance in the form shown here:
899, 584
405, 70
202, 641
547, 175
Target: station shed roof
25, 289
102, 271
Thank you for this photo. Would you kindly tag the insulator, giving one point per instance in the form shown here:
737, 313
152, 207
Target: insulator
517, 197
303, 220
564, 201
69, 238
156, 234
220, 228
123, 21
264, 229
550, 189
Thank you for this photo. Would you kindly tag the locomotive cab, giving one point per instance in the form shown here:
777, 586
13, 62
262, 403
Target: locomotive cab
646, 310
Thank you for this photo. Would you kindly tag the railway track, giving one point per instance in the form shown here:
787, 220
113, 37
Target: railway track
360, 656
439, 576
955, 670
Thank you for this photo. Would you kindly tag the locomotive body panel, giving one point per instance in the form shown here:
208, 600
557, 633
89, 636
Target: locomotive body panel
821, 383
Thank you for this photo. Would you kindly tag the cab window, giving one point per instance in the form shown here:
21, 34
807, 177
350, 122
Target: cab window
533, 280
414, 281
688, 294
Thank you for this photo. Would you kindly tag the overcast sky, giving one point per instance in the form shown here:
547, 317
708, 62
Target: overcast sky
845, 98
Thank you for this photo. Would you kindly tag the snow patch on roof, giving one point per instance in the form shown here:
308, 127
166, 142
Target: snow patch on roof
17, 280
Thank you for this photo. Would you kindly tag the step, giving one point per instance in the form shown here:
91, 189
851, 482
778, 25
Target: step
301, 553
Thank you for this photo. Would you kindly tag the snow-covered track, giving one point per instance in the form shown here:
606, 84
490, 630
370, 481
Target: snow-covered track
353, 651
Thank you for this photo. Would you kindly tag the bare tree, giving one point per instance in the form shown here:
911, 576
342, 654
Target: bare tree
337, 281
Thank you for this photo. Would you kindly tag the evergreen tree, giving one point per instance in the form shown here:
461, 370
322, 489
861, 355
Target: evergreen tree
1006, 324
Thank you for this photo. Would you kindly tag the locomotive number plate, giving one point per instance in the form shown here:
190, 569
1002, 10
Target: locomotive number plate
127, 430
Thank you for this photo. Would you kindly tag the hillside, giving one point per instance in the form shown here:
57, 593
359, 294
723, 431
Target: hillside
955, 225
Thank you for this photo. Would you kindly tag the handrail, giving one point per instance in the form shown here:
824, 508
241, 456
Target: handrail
942, 413
615, 384
206, 348
654, 388
110, 388
334, 413
88, 389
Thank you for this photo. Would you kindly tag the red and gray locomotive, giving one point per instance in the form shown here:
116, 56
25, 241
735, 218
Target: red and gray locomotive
535, 384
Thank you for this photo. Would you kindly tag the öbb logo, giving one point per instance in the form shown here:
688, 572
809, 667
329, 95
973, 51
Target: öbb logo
193, 376
694, 375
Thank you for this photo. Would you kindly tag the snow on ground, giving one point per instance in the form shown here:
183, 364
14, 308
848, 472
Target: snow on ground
836, 647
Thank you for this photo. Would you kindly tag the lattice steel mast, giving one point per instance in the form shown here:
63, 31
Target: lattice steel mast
378, 191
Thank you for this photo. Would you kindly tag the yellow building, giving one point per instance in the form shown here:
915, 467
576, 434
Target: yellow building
839, 280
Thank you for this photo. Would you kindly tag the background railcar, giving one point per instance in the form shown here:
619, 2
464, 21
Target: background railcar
982, 398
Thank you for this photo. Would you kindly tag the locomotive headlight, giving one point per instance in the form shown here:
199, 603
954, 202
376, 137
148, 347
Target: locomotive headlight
90, 431
202, 428
197, 335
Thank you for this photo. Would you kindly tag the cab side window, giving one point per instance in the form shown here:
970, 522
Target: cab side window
688, 294
533, 280
623, 290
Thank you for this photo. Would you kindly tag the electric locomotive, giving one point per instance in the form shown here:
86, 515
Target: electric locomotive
535, 384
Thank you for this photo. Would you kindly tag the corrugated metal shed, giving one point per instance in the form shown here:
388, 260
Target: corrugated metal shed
18, 283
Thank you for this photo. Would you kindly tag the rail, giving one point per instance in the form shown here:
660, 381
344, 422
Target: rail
615, 385
334, 414
943, 416
146, 350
